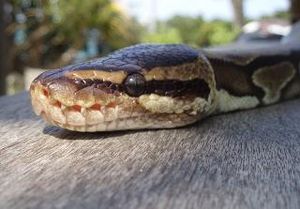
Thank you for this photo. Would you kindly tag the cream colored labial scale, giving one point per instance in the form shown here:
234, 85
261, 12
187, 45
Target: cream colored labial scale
227, 102
164, 104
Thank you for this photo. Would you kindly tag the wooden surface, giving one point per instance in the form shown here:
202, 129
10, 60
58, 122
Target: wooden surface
248, 159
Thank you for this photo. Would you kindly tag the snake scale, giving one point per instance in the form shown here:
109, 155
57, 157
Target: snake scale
153, 86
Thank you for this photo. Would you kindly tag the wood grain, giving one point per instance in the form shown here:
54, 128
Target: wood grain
247, 159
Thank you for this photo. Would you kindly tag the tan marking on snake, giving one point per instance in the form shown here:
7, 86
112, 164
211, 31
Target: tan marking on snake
272, 79
239, 60
114, 77
180, 72
227, 102
235, 58
164, 104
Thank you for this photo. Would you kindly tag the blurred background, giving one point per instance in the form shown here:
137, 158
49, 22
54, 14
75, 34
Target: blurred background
46, 34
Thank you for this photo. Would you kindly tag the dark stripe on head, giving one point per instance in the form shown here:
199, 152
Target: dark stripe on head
173, 88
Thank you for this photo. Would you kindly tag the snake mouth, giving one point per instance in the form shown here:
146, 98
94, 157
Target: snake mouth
90, 116
110, 111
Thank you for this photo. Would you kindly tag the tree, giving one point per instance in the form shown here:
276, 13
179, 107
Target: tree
188, 27
238, 11
163, 35
295, 10
56, 30
4, 70
197, 32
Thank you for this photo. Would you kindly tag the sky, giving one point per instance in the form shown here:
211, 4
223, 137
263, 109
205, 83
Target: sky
147, 10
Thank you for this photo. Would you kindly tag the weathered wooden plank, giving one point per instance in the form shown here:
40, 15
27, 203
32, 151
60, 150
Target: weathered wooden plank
247, 159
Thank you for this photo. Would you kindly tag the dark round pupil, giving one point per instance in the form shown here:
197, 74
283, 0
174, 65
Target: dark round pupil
135, 84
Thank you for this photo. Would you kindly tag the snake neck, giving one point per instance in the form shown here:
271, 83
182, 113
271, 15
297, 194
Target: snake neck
245, 79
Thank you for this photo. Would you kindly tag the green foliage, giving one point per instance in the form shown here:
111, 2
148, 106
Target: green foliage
56, 29
73, 17
189, 28
283, 15
193, 31
163, 35
217, 32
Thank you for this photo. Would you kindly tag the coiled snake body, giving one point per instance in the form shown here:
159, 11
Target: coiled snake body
164, 86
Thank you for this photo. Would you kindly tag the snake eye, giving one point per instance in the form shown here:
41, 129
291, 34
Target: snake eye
135, 85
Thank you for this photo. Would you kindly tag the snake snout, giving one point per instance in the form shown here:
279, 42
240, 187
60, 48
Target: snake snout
80, 105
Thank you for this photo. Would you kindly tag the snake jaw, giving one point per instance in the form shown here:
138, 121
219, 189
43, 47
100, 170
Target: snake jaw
68, 110
114, 113
75, 116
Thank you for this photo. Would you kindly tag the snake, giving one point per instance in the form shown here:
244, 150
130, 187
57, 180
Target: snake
154, 86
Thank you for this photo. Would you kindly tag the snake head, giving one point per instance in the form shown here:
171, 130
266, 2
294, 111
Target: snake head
143, 86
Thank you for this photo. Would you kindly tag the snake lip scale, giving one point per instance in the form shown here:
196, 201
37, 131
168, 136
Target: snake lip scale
163, 86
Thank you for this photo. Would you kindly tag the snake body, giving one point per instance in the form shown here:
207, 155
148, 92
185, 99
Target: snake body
164, 86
